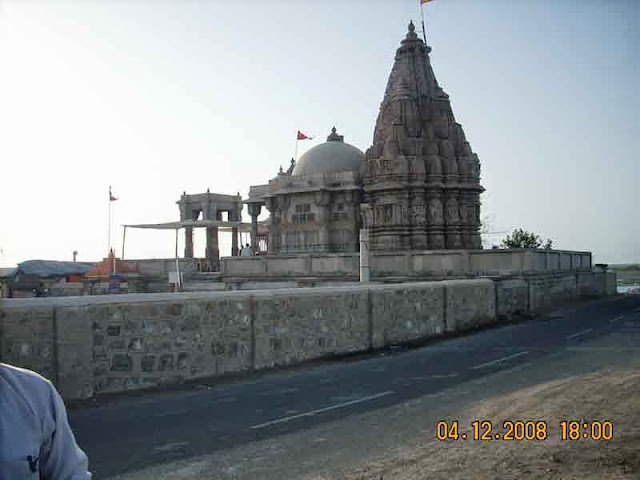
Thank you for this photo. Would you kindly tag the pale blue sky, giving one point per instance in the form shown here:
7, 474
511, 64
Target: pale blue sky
157, 97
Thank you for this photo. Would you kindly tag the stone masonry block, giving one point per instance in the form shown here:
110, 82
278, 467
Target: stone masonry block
470, 304
298, 325
512, 297
405, 312
75, 355
26, 338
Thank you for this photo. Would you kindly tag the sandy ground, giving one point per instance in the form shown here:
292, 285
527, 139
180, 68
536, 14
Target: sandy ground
607, 395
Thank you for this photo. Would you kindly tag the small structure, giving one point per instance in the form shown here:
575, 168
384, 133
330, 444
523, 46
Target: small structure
35, 278
111, 271
205, 210
211, 206
314, 205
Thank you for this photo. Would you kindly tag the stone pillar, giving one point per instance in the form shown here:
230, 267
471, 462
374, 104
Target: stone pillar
355, 213
234, 242
323, 237
272, 239
212, 254
274, 226
365, 257
254, 234
322, 202
235, 216
188, 242
254, 211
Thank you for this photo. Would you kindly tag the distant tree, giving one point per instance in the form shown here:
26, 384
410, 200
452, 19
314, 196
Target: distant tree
520, 238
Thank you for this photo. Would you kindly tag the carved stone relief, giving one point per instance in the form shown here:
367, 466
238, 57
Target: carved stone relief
418, 214
452, 214
435, 211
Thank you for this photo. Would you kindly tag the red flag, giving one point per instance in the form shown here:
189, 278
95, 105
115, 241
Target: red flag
111, 197
422, 2
302, 136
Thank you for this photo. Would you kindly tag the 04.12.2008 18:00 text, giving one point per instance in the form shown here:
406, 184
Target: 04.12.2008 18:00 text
570, 430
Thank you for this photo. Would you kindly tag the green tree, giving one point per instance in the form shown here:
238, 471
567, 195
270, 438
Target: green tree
520, 238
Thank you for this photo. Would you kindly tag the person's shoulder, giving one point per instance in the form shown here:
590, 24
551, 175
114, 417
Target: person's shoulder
23, 375
25, 383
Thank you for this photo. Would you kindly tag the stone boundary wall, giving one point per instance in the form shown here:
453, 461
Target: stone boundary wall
93, 345
535, 293
410, 263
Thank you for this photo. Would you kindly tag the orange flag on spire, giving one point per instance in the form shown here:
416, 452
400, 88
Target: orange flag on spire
422, 2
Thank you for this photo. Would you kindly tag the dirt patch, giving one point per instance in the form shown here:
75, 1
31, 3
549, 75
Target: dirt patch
608, 395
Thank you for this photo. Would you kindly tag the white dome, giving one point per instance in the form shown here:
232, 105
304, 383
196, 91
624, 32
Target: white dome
330, 157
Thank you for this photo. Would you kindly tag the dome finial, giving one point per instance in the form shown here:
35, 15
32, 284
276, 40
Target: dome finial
411, 34
334, 137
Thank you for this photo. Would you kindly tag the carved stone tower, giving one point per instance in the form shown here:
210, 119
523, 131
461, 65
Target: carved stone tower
421, 179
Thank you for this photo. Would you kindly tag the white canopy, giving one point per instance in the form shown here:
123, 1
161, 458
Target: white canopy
222, 225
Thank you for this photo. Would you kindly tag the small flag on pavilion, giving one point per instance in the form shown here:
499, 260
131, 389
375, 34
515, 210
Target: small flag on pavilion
111, 197
302, 136
422, 2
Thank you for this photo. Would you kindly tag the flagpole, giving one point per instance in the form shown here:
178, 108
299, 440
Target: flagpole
113, 269
109, 229
424, 32
124, 236
295, 155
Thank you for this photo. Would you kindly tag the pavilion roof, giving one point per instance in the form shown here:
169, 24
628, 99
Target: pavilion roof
53, 268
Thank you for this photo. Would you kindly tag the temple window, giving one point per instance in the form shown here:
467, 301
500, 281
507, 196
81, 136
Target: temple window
303, 208
303, 214
339, 213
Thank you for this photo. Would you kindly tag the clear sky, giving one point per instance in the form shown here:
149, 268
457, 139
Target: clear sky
158, 97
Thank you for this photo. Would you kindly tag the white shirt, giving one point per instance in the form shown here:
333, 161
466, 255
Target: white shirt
36, 442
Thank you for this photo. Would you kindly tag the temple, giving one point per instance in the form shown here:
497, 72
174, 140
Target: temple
416, 188
422, 180
315, 205
407, 209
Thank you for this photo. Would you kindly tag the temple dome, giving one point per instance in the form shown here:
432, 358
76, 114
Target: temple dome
333, 156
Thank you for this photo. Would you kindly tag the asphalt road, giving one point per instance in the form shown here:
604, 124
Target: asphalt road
129, 433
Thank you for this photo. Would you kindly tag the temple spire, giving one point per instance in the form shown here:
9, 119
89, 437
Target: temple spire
420, 158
